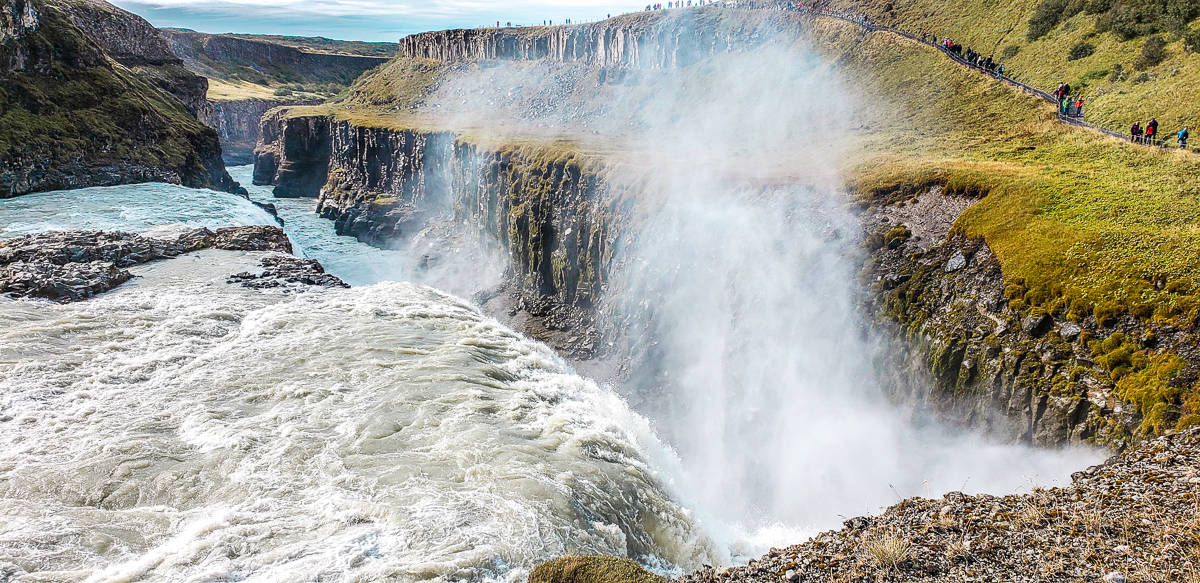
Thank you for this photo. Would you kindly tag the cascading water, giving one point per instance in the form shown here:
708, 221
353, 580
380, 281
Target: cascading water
183, 429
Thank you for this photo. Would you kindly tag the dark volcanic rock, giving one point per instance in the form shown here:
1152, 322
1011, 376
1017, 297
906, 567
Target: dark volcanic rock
70, 266
70, 282
284, 271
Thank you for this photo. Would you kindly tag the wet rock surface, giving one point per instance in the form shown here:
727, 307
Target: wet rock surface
282, 271
965, 349
1133, 518
69, 266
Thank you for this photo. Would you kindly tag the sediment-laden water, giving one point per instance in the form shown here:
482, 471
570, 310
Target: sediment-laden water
183, 429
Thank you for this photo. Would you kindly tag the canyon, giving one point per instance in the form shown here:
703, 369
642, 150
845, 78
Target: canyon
253, 75
962, 352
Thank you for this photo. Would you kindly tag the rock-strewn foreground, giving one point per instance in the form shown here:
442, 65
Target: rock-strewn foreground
70, 266
1136, 517
1133, 518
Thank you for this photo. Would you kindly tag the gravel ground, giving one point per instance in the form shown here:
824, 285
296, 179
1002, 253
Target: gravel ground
1134, 518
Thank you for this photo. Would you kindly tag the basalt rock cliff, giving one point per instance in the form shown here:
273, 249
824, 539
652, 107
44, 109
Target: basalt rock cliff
82, 103
239, 124
644, 40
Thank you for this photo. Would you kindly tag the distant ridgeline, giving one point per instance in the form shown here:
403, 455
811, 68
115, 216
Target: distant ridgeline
92, 95
251, 74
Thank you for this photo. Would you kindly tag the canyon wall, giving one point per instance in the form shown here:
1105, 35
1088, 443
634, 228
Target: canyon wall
77, 115
552, 219
959, 352
239, 125
644, 40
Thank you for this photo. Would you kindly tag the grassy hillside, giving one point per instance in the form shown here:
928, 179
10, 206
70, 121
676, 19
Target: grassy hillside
1083, 225
70, 110
1096, 45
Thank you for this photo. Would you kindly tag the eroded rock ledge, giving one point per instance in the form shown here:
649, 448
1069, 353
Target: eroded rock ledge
70, 266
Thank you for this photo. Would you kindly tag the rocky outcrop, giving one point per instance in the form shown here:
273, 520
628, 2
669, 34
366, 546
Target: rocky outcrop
71, 266
295, 154
552, 217
76, 116
239, 125
966, 349
282, 271
659, 39
1132, 518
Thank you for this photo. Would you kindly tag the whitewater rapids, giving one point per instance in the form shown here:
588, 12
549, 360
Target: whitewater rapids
184, 429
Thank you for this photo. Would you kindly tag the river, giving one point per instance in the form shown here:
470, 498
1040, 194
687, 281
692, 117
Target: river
181, 428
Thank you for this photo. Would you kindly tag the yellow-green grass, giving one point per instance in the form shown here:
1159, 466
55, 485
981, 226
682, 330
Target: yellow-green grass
1077, 218
592, 569
223, 90
991, 27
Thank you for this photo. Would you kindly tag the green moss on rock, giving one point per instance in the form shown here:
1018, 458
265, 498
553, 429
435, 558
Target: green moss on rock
592, 569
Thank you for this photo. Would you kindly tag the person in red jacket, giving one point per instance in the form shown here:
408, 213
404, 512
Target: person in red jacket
1151, 131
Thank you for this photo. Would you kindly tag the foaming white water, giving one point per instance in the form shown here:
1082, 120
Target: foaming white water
136, 208
182, 429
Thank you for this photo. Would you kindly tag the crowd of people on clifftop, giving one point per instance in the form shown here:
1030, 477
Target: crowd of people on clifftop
1150, 135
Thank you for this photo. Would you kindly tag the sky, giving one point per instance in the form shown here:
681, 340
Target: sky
370, 20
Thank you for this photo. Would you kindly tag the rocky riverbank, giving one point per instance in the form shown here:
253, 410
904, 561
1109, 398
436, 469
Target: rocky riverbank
70, 266
1134, 518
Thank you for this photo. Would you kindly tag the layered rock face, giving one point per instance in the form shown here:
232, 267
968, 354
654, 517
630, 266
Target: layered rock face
549, 216
239, 125
649, 40
76, 118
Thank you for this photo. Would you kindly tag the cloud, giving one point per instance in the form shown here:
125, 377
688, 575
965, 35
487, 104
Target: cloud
362, 19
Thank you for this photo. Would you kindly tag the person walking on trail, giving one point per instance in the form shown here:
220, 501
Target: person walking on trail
1183, 137
1135, 133
1079, 107
1151, 131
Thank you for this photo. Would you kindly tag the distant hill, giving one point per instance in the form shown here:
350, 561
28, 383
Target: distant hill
278, 68
320, 44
